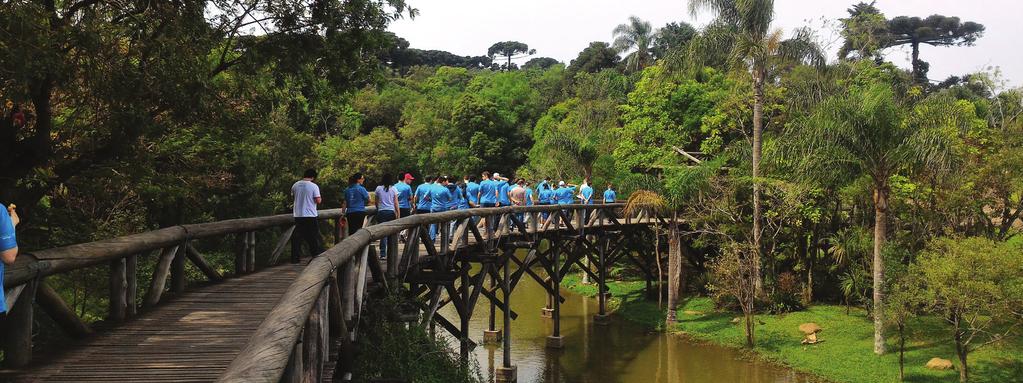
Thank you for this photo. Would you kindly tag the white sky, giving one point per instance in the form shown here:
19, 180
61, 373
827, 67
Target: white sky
562, 28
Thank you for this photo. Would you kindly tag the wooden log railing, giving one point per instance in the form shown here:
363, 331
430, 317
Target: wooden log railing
25, 280
288, 346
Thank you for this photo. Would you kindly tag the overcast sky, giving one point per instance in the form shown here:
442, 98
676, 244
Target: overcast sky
562, 28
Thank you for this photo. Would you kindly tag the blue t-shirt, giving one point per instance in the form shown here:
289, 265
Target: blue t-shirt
610, 196
587, 193
546, 195
529, 197
455, 192
356, 198
423, 196
487, 189
503, 191
472, 189
7, 241
404, 195
565, 195
440, 197
305, 193
463, 202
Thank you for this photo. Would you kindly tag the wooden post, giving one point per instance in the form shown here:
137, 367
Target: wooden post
131, 267
281, 244
348, 272
239, 256
159, 281
507, 372
293, 371
17, 328
392, 256
178, 270
118, 290
555, 340
312, 351
250, 258
601, 317
334, 307
60, 312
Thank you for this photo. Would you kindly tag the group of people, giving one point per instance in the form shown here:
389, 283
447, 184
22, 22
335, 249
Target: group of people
396, 199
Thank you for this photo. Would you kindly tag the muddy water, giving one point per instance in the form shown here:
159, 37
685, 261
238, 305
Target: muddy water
620, 352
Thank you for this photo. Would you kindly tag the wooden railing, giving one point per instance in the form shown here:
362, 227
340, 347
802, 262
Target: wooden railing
25, 280
292, 343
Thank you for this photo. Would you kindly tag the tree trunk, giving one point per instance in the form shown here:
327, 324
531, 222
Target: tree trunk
674, 272
758, 130
880, 233
902, 351
962, 351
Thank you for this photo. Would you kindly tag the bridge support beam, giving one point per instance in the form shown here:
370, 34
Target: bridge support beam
177, 284
602, 317
17, 328
507, 372
555, 340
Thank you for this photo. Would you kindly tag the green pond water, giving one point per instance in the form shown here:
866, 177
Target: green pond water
619, 352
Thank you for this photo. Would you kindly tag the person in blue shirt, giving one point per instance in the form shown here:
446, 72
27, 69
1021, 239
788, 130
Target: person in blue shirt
440, 199
404, 189
586, 198
530, 200
455, 192
546, 194
609, 195
502, 190
472, 192
422, 195
488, 191
8, 247
565, 194
354, 204
586, 193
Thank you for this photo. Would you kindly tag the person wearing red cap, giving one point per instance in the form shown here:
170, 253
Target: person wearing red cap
404, 189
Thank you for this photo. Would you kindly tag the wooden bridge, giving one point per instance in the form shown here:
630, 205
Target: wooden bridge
297, 323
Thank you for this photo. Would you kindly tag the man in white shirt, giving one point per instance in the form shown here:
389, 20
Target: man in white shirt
307, 196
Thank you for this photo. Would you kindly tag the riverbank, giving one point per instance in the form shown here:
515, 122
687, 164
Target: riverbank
844, 355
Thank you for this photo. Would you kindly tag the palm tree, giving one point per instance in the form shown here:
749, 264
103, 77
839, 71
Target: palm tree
872, 132
743, 29
636, 34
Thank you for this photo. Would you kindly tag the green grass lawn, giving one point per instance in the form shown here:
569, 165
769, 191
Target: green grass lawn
845, 355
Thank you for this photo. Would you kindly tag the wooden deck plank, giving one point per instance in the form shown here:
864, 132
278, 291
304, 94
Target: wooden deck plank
191, 338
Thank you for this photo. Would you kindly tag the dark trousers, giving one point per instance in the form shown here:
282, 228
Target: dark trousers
355, 221
306, 230
405, 212
384, 216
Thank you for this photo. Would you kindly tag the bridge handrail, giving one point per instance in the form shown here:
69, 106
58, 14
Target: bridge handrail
265, 357
41, 263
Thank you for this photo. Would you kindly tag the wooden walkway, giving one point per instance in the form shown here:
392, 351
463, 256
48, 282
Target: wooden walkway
191, 338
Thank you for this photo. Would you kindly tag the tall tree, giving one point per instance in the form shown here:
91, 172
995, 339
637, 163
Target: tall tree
935, 30
672, 37
745, 27
510, 50
636, 34
540, 63
865, 32
877, 134
596, 57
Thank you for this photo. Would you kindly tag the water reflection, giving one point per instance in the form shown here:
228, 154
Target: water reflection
619, 352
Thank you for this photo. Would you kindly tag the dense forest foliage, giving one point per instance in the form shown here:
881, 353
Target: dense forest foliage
802, 179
